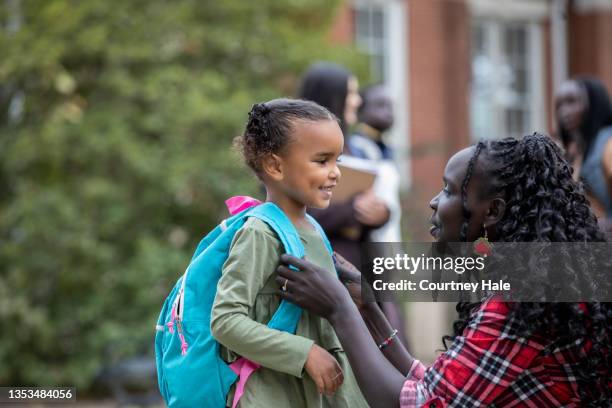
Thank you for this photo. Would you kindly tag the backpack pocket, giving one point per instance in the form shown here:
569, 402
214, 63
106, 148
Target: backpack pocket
196, 380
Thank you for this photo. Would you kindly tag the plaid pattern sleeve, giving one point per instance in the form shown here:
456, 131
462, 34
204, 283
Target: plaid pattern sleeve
488, 366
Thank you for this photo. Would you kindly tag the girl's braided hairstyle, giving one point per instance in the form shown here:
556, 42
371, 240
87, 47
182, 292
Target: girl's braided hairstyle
544, 204
270, 127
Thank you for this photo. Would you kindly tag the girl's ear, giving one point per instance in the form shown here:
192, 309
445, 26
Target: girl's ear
272, 167
497, 209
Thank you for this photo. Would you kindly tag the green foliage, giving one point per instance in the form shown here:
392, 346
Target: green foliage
116, 121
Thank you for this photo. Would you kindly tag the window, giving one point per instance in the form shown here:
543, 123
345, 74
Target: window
371, 36
506, 94
379, 29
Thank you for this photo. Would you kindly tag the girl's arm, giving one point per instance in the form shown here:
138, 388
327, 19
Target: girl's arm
250, 264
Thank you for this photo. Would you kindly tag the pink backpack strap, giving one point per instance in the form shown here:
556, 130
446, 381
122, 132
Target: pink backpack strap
237, 204
244, 368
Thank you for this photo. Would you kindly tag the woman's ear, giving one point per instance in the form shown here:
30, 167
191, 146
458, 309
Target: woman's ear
272, 167
497, 209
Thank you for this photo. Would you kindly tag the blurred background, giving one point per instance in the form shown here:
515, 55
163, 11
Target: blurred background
116, 123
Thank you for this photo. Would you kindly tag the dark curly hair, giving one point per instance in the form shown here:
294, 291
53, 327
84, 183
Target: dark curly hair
271, 125
543, 204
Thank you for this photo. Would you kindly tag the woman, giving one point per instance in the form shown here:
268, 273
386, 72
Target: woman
503, 354
584, 121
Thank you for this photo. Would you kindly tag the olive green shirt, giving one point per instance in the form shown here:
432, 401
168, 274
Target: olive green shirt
246, 300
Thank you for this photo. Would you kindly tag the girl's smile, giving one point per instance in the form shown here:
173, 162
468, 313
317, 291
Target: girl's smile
327, 190
305, 173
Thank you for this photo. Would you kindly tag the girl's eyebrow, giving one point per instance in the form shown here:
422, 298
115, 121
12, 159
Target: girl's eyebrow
324, 154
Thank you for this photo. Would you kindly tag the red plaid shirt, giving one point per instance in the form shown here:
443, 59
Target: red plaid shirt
489, 365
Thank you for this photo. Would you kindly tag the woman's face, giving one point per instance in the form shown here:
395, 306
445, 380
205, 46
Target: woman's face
353, 101
570, 104
447, 218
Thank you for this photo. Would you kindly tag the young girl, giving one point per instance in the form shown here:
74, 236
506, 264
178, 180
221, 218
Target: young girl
292, 146
534, 354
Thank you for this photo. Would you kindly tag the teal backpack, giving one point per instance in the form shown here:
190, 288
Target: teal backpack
190, 371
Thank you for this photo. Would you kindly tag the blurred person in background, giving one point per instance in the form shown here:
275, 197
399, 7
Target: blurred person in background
349, 223
584, 125
375, 118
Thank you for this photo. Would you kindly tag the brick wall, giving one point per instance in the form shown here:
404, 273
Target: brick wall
439, 55
590, 44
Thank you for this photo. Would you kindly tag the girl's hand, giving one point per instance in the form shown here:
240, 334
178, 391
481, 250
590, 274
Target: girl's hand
325, 371
312, 287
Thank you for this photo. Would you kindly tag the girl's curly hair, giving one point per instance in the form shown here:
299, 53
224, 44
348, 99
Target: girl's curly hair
544, 204
270, 127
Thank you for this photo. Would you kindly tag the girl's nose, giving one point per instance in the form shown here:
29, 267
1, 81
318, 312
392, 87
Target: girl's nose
335, 173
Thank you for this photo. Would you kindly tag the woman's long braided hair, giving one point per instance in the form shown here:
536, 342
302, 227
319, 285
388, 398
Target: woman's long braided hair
544, 204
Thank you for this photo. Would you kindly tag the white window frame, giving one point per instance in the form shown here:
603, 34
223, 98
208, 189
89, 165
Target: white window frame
530, 13
395, 76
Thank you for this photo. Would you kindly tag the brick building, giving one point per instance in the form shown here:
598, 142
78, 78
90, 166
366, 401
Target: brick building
462, 70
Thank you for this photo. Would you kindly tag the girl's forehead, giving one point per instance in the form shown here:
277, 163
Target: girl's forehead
318, 135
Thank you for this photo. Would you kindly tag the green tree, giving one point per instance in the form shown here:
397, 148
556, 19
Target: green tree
116, 120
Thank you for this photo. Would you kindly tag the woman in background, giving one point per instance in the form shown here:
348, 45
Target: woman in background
584, 123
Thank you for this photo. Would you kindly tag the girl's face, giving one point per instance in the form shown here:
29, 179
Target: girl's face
571, 104
309, 163
353, 101
447, 218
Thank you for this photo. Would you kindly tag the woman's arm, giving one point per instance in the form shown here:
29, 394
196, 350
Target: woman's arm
336, 217
478, 368
379, 326
363, 210
379, 381
381, 329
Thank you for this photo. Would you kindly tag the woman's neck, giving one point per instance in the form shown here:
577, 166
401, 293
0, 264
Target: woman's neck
296, 212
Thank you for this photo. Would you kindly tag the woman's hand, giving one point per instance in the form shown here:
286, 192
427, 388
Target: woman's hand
370, 210
351, 277
312, 287
324, 370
